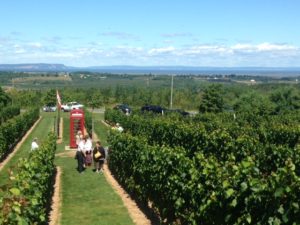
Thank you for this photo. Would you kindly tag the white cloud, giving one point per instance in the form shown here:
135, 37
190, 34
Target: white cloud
275, 47
242, 47
263, 47
18, 49
99, 53
35, 45
204, 50
163, 50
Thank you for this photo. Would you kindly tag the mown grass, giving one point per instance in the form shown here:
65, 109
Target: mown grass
87, 198
40, 131
100, 129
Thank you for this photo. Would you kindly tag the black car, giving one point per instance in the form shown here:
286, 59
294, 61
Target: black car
49, 108
153, 108
123, 108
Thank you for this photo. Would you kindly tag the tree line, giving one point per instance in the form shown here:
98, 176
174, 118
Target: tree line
260, 98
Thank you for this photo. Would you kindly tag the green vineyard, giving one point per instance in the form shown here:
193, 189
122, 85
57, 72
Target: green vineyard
14, 128
30, 191
211, 169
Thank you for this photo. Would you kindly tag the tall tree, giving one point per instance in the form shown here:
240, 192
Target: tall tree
50, 97
254, 103
286, 99
4, 98
212, 100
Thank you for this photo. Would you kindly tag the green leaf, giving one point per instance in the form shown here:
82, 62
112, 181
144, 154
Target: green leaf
295, 205
229, 192
280, 210
233, 203
285, 218
248, 218
22, 221
234, 167
279, 192
244, 186
17, 209
225, 183
15, 191
42, 218
246, 164
34, 201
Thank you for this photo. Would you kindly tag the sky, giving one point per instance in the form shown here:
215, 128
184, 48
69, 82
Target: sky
214, 33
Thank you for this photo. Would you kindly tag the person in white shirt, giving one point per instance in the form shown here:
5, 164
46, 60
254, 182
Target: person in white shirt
34, 144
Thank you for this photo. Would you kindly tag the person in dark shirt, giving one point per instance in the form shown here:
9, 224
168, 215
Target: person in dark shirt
99, 157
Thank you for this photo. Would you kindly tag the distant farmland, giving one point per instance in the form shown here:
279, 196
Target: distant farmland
41, 79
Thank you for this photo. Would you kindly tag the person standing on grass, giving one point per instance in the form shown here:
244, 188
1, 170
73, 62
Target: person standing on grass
99, 157
88, 147
34, 144
80, 155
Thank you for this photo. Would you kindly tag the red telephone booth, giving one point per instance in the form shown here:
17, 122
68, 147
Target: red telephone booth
76, 124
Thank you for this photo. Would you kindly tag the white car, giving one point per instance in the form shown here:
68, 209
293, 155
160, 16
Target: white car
70, 106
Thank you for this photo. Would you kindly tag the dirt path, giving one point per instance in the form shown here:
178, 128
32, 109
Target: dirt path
135, 213
61, 130
54, 216
14, 151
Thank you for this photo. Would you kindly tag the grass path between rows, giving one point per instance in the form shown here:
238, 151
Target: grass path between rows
40, 131
87, 198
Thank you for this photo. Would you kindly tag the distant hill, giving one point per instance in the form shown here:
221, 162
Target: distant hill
33, 67
259, 71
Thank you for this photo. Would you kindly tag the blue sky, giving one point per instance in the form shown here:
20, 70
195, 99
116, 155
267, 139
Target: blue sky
221, 33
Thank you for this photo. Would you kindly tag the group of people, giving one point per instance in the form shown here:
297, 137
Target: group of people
86, 154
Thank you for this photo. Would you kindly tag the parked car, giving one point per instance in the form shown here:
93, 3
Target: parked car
153, 108
123, 108
49, 108
70, 106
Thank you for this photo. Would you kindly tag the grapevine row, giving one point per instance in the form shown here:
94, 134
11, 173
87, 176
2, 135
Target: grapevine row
8, 112
203, 190
13, 129
28, 196
212, 136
